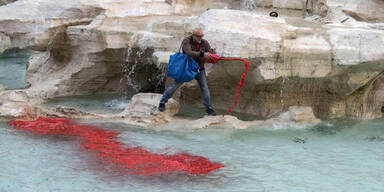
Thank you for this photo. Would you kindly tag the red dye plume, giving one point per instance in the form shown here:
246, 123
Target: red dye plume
136, 160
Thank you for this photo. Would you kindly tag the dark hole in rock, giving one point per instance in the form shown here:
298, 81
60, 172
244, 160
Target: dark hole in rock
273, 14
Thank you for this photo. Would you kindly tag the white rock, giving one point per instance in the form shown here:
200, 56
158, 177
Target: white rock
297, 117
296, 114
160, 57
227, 121
143, 110
4, 2
290, 4
5, 42
240, 34
2, 88
307, 56
12, 109
14, 96
352, 46
302, 114
304, 56
277, 47
365, 10
32, 24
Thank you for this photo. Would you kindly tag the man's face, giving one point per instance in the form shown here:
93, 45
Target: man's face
197, 36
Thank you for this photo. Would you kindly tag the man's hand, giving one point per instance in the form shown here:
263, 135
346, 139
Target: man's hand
206, 56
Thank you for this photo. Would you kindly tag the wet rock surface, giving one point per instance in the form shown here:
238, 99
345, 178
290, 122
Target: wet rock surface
143, 112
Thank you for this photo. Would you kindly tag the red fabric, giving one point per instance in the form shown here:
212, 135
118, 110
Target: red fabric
198, 49
214, 58
136, 160
241, 82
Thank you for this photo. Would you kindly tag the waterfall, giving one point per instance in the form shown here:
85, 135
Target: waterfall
128, 68
285, 70
161, 75
128, 73
284, 76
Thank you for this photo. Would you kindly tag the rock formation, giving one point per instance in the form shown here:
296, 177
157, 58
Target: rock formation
142, 111
332, 60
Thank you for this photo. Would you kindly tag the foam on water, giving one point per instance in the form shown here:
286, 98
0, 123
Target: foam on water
118, 104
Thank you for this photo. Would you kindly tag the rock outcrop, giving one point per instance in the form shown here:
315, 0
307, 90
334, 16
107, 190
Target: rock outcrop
13, 103
5, 42
89, 47
5, 2
368, 101
142, 111
2, 88
312, 66
348, 11
33, 24
357, 10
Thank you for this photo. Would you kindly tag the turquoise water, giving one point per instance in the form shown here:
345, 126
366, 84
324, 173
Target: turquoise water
13, 68
340, 155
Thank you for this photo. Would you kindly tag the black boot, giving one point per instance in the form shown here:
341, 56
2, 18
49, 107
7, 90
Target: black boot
211, 112
161, 107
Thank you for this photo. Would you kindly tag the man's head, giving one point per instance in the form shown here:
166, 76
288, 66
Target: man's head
197, 34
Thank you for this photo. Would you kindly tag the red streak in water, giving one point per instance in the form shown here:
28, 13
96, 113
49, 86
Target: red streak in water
136, 160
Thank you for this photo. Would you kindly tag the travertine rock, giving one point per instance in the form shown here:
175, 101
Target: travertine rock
89, 47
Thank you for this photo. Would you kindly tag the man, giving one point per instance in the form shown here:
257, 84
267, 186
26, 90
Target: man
197, 48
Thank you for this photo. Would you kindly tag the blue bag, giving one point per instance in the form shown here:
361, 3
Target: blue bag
181, 67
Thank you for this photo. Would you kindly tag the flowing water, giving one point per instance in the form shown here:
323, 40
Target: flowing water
340, 155
128, 68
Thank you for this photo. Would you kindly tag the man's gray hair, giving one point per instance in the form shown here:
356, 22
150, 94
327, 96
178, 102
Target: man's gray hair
196, 30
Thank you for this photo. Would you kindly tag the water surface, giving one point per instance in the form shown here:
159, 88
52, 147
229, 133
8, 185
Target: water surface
341, 155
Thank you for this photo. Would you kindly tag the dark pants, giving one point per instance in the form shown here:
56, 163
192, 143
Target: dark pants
201, 79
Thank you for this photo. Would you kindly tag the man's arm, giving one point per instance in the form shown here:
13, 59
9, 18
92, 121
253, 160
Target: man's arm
209, 49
